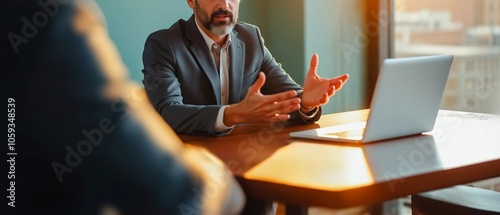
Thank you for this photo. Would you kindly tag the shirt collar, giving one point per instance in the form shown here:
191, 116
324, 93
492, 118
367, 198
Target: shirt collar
209, 40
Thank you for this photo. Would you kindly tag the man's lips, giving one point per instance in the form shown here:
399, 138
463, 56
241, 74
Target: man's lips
222, 17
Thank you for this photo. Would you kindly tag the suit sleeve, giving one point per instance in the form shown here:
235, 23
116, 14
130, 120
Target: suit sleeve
164, 90
277, 80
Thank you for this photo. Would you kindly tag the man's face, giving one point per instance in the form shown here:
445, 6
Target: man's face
218, 16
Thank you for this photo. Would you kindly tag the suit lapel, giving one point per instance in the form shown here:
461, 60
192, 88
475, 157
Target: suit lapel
203, 56
236, 59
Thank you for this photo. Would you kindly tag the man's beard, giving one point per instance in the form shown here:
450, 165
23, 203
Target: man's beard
221, 28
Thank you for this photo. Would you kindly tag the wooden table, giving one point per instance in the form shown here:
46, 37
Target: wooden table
463, 147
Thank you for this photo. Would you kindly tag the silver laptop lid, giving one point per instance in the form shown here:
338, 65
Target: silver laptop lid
409, 92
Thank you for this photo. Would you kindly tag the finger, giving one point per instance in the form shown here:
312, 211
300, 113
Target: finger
343, 78
276, 115
283, 107
291, 94
339, 81
280, 117
287, 109
324, 99
331, 90
291, 108
259, 83
339, 85
313, 68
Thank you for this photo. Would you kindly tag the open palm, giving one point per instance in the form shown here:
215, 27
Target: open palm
318, 90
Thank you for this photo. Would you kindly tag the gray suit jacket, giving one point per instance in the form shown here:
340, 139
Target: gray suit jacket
182, 81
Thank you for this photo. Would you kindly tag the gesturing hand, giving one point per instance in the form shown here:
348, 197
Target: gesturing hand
318, 90
257, 107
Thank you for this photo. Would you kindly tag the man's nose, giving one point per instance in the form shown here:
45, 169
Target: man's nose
223, 4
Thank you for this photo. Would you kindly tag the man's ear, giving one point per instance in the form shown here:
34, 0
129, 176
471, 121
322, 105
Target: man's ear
191, 3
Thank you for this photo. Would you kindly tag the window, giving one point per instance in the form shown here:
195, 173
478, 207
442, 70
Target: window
468, 29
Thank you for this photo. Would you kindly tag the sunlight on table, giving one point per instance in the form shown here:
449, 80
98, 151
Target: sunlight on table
294, 165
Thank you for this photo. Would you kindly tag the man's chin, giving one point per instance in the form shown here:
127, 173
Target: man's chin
222, 29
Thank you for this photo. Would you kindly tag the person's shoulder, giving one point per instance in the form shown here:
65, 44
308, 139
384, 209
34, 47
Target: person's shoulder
174, 29
243, 27
247, 32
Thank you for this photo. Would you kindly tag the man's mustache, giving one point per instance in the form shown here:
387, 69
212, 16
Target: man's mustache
222, 12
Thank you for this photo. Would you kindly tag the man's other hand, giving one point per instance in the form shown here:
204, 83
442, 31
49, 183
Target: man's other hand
318, 90
257, 107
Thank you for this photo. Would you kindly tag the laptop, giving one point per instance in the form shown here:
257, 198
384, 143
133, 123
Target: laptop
405, 102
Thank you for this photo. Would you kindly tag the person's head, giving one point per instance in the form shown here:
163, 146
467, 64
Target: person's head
217, 16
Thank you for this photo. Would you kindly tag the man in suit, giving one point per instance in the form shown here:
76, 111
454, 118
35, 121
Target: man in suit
209, 73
